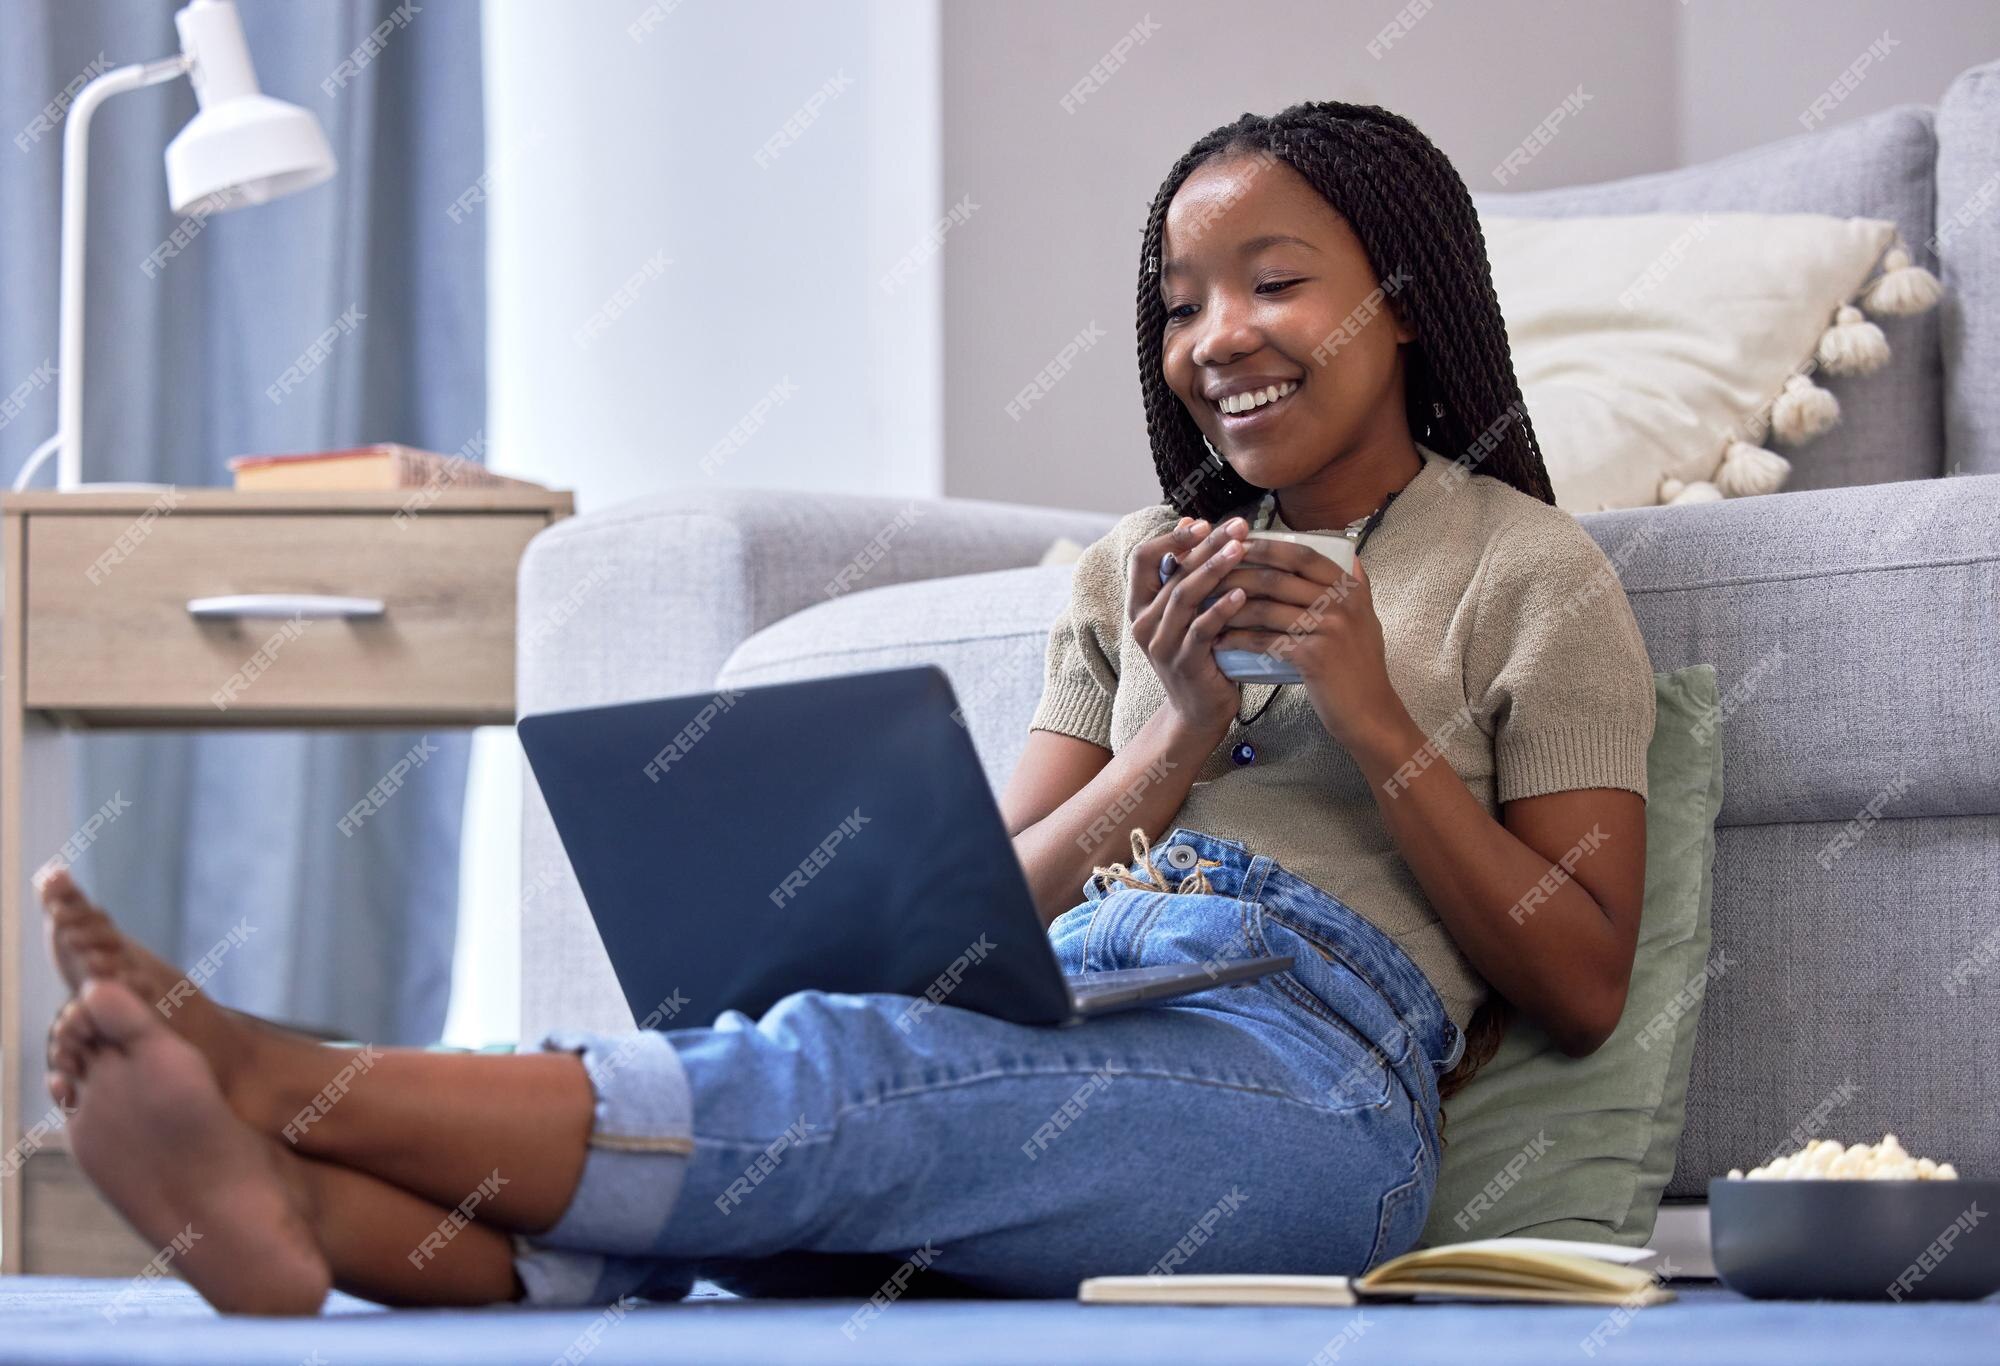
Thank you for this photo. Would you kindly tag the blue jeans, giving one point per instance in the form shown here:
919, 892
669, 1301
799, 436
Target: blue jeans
880, 1145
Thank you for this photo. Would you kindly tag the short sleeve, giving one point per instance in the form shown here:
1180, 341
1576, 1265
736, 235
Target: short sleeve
1557, 670
1081, 671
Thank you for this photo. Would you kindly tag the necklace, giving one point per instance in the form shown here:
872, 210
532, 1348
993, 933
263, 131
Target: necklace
1357, 531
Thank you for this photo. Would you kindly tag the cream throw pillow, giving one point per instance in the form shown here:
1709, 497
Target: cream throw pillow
1657, 352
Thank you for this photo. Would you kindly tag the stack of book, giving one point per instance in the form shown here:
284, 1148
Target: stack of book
381, 466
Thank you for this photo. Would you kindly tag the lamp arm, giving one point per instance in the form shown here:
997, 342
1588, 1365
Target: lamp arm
36, 461
76, 171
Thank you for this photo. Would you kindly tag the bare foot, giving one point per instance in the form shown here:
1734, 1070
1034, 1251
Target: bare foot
151, 1130
86, 943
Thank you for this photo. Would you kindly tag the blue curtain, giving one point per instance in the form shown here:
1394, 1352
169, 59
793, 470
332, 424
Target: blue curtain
353, 933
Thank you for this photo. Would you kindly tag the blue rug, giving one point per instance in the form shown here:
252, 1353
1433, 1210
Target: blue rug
53, 1320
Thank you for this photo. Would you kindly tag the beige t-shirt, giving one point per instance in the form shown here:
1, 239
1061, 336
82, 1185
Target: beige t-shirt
1509, 639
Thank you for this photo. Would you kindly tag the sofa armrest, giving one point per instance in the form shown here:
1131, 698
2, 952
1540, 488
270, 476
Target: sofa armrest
647, 599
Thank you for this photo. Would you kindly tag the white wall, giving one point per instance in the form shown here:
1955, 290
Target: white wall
619, 131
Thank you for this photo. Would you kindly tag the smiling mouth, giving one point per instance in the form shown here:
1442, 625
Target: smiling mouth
1259, 416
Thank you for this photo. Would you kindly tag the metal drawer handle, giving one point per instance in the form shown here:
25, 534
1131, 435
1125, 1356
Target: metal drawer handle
311, 605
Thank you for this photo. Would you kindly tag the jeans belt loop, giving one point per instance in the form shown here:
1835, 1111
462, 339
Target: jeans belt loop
1253, 878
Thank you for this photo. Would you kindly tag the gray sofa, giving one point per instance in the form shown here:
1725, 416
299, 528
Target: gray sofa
1851, 619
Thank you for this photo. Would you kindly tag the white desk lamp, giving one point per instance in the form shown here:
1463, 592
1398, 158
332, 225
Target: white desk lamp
242, 147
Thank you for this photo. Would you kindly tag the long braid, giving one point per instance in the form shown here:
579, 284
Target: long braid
1416, 220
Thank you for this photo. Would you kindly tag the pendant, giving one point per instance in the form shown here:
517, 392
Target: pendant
1242, 752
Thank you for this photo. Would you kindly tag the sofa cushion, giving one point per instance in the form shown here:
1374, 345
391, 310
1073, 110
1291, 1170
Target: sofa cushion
988, 632
1539, 1144
1877, 167
1855, 634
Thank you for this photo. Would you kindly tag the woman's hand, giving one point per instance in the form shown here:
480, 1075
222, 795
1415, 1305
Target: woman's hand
1168, 622
1304, 607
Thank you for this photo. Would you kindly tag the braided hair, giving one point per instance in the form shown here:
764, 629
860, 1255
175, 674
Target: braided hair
1414, 216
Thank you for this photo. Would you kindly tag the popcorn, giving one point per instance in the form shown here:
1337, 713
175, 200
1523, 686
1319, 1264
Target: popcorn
1825, 1159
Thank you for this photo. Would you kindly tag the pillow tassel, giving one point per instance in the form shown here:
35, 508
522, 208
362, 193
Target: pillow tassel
1803, 411
1852, 345
1748, 470
1700, 491
1902, 287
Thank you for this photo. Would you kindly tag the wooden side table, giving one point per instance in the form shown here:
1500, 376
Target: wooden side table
198, 608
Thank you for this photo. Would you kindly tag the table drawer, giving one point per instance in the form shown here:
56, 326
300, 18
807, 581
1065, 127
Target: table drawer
110, 630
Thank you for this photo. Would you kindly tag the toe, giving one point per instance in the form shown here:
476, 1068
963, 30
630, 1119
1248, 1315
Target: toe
69, 1062
116, 1015
89, 928
70, 1040
72, 910
79, 941
72, 1028
61, 1090
59, 890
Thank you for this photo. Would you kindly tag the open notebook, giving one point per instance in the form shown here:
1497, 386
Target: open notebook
1554, 1270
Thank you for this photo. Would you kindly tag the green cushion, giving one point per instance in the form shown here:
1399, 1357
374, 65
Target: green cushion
1541, 1144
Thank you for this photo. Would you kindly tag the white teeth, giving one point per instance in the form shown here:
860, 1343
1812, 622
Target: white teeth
1256, 398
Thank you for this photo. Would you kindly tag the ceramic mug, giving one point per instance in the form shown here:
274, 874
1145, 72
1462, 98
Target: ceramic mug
1254, 666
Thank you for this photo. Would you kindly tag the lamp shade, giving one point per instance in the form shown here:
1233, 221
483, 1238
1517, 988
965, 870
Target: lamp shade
245, 150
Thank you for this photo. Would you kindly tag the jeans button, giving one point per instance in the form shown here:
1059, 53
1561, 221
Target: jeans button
1181, 857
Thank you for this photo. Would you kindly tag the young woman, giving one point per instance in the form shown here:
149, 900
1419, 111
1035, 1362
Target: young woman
1441, 822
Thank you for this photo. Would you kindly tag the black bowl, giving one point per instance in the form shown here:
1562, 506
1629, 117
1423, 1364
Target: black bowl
1855, 1239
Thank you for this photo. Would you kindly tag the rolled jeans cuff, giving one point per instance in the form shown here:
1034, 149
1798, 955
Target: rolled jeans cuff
642, 1134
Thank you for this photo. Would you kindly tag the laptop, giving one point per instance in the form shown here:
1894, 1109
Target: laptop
835, 834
